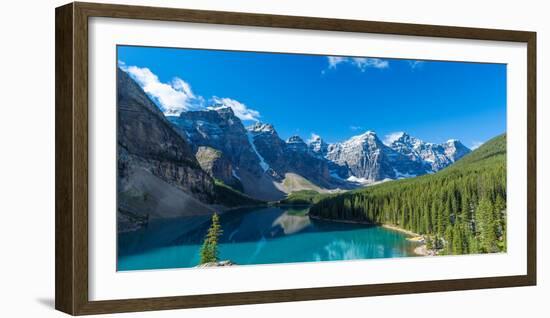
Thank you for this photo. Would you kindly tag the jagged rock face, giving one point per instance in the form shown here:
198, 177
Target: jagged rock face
269, 147
368, 158
149, 147
455, 150
292, 156
305, 163
435, 156
318, 146
295, 143
213, 162
143, 131
222, 130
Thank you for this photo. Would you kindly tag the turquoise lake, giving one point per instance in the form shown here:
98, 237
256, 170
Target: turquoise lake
258, 236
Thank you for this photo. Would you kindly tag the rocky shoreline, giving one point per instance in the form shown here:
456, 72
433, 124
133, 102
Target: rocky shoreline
217, 264
422, 249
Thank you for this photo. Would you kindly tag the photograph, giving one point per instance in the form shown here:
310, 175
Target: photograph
240, 158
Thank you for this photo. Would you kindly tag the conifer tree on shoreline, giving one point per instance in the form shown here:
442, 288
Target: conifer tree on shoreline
209, 251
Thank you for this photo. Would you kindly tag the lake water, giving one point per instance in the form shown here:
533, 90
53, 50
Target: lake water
258, 236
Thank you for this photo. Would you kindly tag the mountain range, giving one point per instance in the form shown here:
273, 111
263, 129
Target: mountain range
169, 165
264, 166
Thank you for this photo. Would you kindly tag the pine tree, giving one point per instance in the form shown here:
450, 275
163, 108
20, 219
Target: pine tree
457, 240
485, 223
500, 217
449, 240
209, 250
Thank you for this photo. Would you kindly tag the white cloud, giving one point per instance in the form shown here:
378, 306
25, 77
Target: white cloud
391, 137
335, 60
355, 127
362, 63
176, 96
240, 109
476, 144
172, 98
180, 85
416, 64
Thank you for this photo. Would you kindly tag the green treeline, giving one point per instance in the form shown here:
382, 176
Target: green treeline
231, 197
460, 209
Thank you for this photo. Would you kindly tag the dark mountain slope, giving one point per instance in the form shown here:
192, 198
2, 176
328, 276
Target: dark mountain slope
158, 174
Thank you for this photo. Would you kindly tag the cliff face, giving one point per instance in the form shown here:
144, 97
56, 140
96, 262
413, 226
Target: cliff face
220, 130
218, 166
292, 156
151, 151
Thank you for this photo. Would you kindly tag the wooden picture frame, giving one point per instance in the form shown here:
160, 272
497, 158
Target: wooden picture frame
71, 90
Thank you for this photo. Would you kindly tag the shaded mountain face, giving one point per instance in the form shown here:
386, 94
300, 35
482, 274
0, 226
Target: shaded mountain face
436, 156
290, 156
221, 130
215, 164
151, 151
260, 159
297, 144
269, 147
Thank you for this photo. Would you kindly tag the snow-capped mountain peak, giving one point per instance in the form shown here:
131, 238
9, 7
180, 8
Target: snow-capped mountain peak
296, 143
221, 109
390, 138
402, 155
438, 156
317, 145
261, 128
455, 150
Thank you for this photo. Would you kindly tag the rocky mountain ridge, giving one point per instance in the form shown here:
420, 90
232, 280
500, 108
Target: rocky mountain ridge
213, 145
369, 160
437, 156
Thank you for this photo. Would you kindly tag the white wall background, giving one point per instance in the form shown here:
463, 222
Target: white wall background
27, 158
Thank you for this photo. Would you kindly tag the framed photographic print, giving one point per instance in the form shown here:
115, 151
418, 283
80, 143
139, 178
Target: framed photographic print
218, 158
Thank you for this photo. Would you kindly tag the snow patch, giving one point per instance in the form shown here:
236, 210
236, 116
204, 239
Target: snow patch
234, 174
358, 180
263, 164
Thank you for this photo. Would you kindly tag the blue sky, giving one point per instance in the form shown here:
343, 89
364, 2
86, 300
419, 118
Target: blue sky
334, 97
